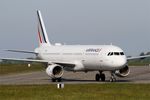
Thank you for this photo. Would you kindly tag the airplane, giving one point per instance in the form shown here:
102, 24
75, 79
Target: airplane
77, 58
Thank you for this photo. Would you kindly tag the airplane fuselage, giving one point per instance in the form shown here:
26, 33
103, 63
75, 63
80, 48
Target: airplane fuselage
86, 57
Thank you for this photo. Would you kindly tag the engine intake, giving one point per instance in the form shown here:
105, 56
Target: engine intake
55, 71
123, 72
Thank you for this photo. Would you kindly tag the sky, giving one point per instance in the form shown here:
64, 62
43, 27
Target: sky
125, 23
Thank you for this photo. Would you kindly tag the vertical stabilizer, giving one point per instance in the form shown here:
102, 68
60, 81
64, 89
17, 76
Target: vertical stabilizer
43, 37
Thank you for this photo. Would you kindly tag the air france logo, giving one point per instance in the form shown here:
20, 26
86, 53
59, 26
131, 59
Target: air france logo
93, 50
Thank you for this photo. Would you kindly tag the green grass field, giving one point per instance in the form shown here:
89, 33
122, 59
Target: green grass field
144, 62
107, 91
19, 68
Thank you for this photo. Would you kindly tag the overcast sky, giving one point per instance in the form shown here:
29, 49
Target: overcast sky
125, 23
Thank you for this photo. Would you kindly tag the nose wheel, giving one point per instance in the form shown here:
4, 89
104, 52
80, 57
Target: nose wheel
100, 76
112, 78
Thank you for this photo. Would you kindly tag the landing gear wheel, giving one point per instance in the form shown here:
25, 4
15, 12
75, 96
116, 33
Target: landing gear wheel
56, 79
53, 80
59, 79
112, 79
97, 77
102, 76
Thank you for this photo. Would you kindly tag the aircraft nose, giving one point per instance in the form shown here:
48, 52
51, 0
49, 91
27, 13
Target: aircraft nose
120, 62
123, 62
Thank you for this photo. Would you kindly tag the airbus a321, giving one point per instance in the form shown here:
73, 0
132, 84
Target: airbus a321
85, 58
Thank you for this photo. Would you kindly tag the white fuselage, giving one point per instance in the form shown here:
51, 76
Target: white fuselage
86, 57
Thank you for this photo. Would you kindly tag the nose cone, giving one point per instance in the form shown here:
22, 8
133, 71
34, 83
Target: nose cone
120, 62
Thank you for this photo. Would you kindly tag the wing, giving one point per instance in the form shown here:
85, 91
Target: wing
64, 64
25, 60
22, 51
138, 57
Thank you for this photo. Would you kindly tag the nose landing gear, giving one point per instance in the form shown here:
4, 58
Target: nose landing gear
100, 76
112, 78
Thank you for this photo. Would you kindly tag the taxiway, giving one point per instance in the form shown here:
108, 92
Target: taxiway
140, 74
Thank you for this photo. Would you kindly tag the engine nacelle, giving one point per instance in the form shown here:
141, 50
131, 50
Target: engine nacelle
55, 71
123, 72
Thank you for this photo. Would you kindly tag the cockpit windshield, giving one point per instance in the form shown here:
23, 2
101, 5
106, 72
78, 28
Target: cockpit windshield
115, 53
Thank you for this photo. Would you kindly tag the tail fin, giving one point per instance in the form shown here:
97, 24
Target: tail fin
43, 37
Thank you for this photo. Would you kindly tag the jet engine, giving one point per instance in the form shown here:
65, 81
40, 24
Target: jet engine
55, 71
123, 72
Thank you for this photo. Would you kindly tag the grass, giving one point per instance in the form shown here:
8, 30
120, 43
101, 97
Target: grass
18, 68
138, 63
144, 62
107, 91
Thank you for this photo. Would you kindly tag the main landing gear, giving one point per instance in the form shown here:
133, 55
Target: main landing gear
56, 79
100, 76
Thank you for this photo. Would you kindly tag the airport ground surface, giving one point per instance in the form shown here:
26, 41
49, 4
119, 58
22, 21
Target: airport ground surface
140, 74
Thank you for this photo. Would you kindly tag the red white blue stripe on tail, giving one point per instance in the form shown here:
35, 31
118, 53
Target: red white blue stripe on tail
42, 34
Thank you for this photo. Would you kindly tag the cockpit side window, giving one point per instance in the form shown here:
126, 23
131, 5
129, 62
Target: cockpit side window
109, 54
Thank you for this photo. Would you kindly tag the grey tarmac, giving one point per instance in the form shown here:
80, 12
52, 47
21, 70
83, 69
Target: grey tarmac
139, 74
